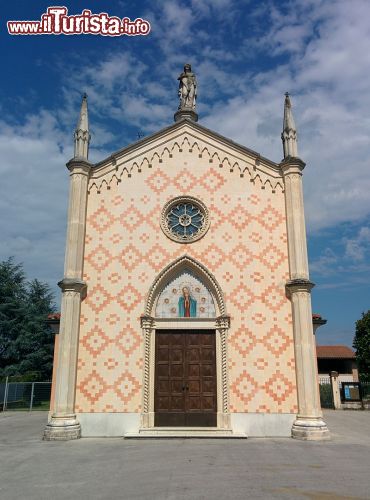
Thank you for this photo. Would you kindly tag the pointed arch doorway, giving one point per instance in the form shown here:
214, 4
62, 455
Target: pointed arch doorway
185, 329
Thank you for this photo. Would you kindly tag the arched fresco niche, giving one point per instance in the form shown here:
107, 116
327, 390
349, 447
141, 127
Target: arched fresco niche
185, 296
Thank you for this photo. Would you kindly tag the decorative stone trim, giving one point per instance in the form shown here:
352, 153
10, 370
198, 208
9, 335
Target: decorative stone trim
223, 321
172, 270
177, 201
225, 381
104, 175
220, 324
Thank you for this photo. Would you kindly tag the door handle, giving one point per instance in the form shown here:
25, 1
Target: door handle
187, 387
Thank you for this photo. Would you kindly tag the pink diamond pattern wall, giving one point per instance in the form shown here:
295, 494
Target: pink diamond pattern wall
245, 248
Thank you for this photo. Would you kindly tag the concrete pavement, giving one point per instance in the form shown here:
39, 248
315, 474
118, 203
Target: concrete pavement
183, 468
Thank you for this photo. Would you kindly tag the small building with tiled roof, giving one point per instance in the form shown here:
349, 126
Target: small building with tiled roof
339, 358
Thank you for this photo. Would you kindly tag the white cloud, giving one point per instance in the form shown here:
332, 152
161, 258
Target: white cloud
34, 194
329, 79
359, 247
326, 264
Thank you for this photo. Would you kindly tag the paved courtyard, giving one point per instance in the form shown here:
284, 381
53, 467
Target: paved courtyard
184, 469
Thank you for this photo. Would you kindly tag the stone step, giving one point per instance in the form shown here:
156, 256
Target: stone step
184, 432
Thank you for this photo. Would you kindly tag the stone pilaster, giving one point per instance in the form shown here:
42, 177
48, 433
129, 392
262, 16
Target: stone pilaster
223, 325
63, 424
309, 424
147, 416
334, 382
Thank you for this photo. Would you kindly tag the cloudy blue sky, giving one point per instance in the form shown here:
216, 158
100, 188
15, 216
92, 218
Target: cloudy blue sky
246, 54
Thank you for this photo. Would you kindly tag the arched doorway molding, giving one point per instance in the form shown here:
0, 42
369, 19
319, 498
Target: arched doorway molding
173, 270
221, 325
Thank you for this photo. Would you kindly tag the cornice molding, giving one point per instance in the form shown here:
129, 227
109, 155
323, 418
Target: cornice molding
202, 143
185, 123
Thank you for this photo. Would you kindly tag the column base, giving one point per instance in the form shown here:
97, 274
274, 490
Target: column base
310, 429
223, 421
62, 428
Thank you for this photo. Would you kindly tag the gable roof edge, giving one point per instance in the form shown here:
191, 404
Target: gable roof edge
196, 126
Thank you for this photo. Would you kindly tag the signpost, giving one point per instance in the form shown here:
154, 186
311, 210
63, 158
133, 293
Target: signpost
351, 391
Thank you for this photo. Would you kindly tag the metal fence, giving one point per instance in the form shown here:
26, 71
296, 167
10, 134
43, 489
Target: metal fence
25, 395
326, 393
365, 386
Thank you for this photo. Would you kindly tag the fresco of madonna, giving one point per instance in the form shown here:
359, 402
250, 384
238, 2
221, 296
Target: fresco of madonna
187, 304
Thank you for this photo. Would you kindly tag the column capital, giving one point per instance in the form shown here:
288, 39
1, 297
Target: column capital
292, 165
72, 285
79, 166
299, 285
223, 321
147, 322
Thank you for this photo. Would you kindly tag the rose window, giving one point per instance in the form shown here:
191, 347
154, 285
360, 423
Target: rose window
184, 219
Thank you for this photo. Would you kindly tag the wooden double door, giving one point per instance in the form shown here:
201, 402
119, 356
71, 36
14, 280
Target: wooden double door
185, 378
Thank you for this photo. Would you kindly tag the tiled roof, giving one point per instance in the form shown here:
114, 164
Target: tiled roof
334, 351
54, 316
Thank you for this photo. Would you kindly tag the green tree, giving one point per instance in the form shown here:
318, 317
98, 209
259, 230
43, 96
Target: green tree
361, 343
26, 342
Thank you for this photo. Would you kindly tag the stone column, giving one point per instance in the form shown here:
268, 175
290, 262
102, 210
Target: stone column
335, 390
309, 424
63, 424
53, 377
355, 372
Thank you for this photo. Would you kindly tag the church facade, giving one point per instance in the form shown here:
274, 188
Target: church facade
186, 303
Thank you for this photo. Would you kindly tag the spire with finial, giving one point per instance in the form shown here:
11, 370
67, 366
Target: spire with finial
289, 134
82, 136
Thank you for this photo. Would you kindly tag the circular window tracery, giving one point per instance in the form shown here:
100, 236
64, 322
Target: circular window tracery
185, 219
